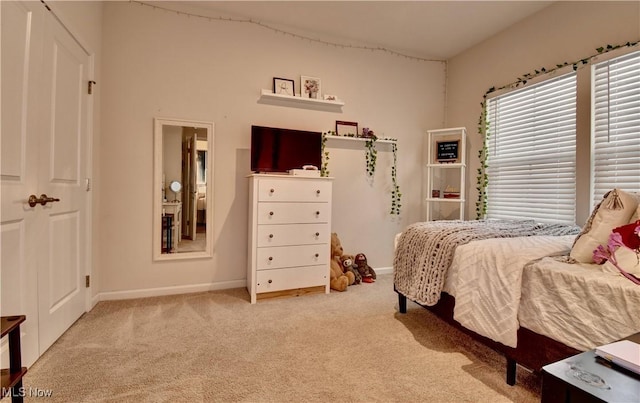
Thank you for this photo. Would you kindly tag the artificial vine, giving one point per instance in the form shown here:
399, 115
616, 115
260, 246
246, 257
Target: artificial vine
395, 192
324, 170
483, 178
371, 157
483, 122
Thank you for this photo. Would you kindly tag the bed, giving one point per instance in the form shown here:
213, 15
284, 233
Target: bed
512, 286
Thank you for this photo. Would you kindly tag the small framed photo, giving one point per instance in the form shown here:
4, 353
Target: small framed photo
447, 151
346, 128
310, 87
284, 86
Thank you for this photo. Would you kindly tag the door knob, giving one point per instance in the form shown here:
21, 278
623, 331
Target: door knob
43, 199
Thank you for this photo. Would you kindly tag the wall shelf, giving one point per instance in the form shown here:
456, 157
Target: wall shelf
268, 97
331, 136
444, 200
445, 166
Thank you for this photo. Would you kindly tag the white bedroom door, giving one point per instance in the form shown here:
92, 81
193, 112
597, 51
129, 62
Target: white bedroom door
62, 170
43, 248
189, 182
193, 187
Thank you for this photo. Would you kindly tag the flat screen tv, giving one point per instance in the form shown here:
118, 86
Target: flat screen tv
279, 150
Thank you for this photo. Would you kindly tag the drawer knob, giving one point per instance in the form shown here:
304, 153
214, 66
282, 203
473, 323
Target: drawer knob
270, 258
270, 281
317, 255
270, 212
317, 213
270, 236
318, 191
317, 234
271, 190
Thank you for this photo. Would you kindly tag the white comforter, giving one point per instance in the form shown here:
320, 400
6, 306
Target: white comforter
580, 305
486, 277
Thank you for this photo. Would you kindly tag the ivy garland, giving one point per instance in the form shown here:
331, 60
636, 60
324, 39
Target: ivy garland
483, 122
324, 170
483, 178
395, 193
371, 157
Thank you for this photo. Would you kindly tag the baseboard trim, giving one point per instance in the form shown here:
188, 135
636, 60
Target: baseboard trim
161, 291
94, 300
184, 289
384, 270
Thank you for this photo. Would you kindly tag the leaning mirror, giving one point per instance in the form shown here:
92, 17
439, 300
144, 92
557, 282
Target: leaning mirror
183, 189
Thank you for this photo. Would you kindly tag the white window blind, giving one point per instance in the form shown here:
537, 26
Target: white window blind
531, 152
616, 132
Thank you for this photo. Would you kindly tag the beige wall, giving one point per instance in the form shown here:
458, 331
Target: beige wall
135, 50
146, 76
562, 32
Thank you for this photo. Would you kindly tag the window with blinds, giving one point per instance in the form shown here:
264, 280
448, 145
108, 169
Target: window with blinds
532, 152
616, 131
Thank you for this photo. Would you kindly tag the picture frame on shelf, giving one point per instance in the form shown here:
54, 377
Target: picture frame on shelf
310, 87
284, 86
447, 152
344, 128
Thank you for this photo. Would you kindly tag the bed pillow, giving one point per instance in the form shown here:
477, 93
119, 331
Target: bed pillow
636, 216
628, 234
615, 209
627, 259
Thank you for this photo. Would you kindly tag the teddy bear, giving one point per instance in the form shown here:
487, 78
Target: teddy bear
339, 280
367, 273
348, 266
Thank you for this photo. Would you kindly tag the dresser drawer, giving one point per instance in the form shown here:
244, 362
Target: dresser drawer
293, 234
290, 256
306, 190
284, 213
294, 277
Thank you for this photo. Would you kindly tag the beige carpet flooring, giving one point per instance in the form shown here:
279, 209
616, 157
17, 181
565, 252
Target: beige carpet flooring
215, 346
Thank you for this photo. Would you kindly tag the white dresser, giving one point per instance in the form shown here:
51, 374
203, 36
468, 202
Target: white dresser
289, 233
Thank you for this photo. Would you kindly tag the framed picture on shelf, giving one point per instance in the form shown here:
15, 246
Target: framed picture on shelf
310, 87
447, 151
346, 128
284, 86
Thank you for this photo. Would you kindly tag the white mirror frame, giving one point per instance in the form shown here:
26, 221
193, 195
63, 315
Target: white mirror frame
157, 189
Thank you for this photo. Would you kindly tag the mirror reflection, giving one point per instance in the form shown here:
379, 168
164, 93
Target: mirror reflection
182, 167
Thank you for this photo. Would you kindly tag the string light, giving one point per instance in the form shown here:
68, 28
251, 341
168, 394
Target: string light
292, 34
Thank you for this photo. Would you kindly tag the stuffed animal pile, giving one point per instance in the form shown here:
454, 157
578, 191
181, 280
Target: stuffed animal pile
348, 269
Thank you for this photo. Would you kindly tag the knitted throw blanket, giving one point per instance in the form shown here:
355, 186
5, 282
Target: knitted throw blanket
425, 250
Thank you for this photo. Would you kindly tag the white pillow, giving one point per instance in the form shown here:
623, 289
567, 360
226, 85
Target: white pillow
614, 210
636, 216
627, 259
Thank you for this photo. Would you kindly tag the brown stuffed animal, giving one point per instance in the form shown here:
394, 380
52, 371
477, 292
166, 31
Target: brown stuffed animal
348, 266
367, 273
339, 280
